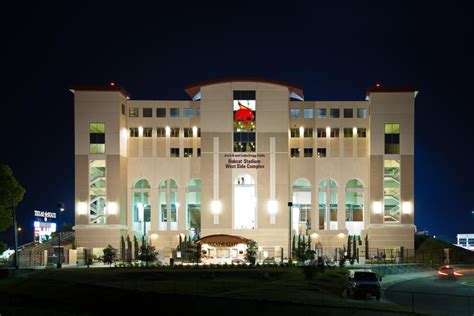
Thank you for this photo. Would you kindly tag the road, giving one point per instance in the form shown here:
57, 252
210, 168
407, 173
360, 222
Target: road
434, 295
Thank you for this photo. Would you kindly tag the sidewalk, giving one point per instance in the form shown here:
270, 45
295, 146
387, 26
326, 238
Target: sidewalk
389, 280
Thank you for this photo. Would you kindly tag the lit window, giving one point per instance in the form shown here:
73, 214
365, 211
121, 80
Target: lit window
334, 132
97, 138
321, 132
334, 113
321, 152
308, 152
161, 112
295, 113
133, 131
147, 132
160, 132
362, 112
348, 113
188, 152
188, 112
174, 152
133, 112
174, 112
392, 138
322, 113
308, 113
147, 112
188, 132
348, 133
294, 132
391, 191
174, 132
295, 152
308, 133
361, 132
97, 148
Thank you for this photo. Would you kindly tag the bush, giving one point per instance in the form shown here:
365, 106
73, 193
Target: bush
309, 271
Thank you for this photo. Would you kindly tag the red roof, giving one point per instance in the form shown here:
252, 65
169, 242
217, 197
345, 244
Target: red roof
104, 87
390, 89
194, 89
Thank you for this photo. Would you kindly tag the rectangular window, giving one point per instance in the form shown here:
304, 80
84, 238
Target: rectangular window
160, 112
147, 112
295, 152
133, 112
348, 133
174, 152
188, 152
294, 132
308, 113
174, 112
334, 132
321, 132
147, 132
392, 138
97, 191
123, 109
199, 152
97, 148
295, 113
244, 114
463, 241
188, 132
97, 138
308, 133
362, 112
308, 152
321, 152
199, 132
361, 132
391, 191
174, 132
161, 132
348, 113
334, 113
198, 112
187, 112
244, 95
321, 113
133, 131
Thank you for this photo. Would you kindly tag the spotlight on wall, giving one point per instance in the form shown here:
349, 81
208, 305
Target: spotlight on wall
82, 208
112, 208
406, 207
377, 207
272, 206
216, 207
341, 235
154, 236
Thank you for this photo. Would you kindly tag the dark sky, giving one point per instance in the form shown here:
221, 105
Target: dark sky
334, 52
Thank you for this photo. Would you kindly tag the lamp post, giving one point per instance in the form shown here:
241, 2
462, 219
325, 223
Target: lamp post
15, 228
290, 205
19, 229
61, 208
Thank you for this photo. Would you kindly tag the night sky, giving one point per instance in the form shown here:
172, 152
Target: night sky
333, 52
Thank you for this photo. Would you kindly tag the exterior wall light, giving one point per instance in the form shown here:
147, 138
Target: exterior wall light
354, 131
168, 131
341, 235
140, 131
406, 207
272, 207
82, 208
314, 235
154, 236
328, 132
377, 207
195, 131
112, 208
301, 131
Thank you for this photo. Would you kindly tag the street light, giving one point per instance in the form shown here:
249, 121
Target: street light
290, 205
19, 235
61, 209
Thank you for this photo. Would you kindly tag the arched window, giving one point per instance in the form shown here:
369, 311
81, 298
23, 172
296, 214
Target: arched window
328, 204
354, 207
245, 200
168, 200
301, 211
193, 208
141, 207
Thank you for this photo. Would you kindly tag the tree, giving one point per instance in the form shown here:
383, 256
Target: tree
110, 255
135, 247
147, 253
122, 248
11, 194
251, 253
349, 255
129, 249
293, 248
3, 247
366, 246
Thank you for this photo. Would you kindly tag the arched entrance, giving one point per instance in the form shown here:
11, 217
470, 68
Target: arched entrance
222, 248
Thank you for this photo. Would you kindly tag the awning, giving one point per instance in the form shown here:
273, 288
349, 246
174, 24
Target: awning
222, 240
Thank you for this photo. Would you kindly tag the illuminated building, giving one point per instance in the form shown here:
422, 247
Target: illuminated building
229, 160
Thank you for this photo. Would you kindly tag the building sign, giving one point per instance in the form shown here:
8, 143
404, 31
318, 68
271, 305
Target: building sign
45, 214
43, 230
222, 244
244, 161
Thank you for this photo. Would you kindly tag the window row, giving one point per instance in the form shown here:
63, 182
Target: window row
161, 112
360, 132
308, 152
161, 132
187, 152
322, 113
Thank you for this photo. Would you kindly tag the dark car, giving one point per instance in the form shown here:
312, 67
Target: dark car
448, 272
362, 282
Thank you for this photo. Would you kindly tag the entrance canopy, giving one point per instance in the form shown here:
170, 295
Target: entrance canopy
222, 240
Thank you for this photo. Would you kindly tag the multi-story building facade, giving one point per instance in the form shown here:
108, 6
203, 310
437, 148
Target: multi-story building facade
232, 160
